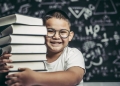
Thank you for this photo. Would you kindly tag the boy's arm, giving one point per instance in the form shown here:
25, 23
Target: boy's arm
71, 77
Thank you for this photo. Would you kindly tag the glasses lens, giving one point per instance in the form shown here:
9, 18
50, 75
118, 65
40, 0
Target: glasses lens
64, 33
50, 32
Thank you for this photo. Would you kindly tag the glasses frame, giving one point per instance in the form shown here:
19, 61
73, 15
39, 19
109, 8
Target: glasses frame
59, 32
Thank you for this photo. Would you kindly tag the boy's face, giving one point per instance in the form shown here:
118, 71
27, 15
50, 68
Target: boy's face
56, 43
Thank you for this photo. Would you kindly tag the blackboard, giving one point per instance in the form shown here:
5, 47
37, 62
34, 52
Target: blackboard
96, 24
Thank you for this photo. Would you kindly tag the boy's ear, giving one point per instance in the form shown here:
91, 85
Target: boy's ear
71, 35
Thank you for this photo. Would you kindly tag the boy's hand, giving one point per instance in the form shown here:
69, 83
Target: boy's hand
3, 60
23, 78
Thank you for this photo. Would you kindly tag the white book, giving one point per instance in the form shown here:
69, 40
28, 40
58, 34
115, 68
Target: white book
22, 39
24, 49
28, 57
32, 65
20, 19
23, 30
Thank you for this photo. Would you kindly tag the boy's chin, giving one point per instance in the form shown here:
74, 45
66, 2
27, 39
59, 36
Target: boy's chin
56, 45
56, 49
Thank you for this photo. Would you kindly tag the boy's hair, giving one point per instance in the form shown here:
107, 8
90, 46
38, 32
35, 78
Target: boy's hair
57, 14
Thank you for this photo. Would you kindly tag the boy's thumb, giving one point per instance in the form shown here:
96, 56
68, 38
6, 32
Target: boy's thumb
22, 69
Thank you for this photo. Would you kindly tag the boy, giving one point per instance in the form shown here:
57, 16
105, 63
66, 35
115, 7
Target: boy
65, 65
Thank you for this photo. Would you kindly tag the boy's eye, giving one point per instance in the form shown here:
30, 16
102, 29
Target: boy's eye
63, 32
50, 30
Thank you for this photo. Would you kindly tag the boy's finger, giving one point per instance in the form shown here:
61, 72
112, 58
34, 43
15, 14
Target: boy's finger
12, 80
5, 67
2, 61
22, 69
4, 71
17, 84
12, 75
5, 56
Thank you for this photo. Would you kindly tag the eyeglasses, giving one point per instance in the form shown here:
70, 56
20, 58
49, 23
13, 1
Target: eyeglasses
63, 32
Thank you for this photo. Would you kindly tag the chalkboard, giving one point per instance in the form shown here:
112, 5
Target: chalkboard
96, 24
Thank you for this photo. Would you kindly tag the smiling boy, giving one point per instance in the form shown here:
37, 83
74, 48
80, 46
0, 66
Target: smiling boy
65, 65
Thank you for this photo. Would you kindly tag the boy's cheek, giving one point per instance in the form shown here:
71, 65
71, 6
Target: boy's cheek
47, 39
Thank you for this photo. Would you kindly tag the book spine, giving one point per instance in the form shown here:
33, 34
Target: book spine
29, 61
33, 70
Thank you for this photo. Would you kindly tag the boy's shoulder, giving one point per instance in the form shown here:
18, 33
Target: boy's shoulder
72, 50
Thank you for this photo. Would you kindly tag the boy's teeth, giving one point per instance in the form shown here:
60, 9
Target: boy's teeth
56, 42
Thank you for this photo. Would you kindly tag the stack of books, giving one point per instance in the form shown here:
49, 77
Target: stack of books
23, 37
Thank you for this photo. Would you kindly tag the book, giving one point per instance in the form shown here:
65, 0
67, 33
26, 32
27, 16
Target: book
19, 36
23, 49
21, 39
23, 30
28, 57
37, 65
20, 19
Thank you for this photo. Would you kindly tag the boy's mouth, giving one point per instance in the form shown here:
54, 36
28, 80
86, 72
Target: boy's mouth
56, 44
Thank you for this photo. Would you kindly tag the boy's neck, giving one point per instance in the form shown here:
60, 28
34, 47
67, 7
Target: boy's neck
51, 57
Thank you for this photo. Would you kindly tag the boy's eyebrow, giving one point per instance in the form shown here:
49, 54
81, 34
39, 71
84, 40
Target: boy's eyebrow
57, 30
50, 28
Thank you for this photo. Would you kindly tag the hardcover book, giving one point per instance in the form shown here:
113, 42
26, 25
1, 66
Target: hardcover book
23, 30
23, 49
28, 57
36, 66
22, 39
20, 19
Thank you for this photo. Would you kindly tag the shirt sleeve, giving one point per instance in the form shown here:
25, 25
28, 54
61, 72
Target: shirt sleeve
75, 58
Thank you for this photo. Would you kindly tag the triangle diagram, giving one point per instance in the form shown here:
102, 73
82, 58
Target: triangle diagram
105, 7
76, 11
